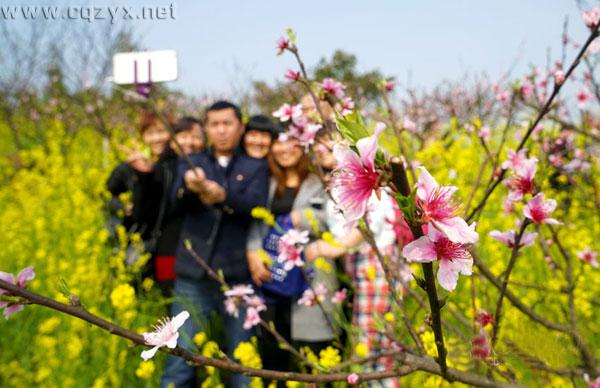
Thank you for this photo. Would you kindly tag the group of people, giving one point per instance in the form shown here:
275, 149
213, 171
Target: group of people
194, 188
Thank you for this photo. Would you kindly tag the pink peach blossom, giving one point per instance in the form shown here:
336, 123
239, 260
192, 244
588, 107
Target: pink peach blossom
26, 275
559, 77
352, 378
454, 257
355, 177
481, 347
346, 106
240, 290
439, 210
508, 238
292, 75
310, 298
538, 210
521, 181
232, 306
165, 334
288, 112
331, 86
290, 248
588, 256
483, 318
252, 318
282, 45
339, 296
515, 159
591, 17
583, 96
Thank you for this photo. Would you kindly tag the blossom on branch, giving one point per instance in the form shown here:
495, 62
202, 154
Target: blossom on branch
292, 75
346, 106
508, 238
311, 297
521, 182
538, 210
481, 347
165, 334
255, 304
454, 257
282, 45
290, 248
355, 177
333, 87
591, 17
515, 159
439, 210
339, 296
288, 112
588, 256
23, 277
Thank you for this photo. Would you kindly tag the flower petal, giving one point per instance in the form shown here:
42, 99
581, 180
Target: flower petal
12, 310
172, 342
457, 230
148, 354
422, 250
179, 320
367, 148
447, 275
7, 277
426, 184
25, 275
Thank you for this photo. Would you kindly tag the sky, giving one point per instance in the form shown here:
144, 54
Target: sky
223, 45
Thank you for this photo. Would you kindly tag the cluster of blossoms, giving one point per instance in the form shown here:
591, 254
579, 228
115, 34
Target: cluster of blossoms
480, 344
23, 277
448, 236
562, 153
300, 127
291, 245
318, 294
254, 304
334, 88
523, 172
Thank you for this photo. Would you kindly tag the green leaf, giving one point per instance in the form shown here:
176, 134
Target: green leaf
291, 36
408, 205
352, 127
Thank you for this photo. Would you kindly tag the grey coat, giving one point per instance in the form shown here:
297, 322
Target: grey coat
308, 323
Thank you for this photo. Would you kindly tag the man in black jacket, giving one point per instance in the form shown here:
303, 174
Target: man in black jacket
217, 197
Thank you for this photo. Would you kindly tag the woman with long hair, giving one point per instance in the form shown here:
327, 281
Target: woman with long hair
296, 199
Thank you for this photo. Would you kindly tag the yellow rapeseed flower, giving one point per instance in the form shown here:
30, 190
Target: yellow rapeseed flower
323, 265
200, 338
263, 214
123, 297
145, 370
361, 350
329, 357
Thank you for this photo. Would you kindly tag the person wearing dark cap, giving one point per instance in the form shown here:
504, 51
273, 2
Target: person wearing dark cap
260, 132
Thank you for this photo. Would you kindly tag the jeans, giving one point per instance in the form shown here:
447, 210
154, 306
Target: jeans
202, 298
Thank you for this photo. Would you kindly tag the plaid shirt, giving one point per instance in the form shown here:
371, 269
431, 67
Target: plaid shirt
372, 299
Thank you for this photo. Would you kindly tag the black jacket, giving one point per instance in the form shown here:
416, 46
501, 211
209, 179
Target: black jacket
218, 233
156, 207
122, 179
